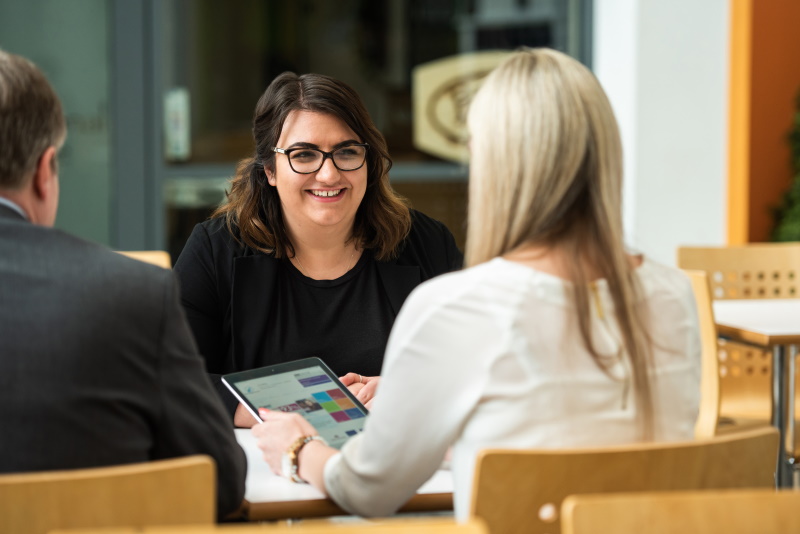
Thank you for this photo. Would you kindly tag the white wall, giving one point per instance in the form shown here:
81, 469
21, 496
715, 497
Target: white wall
664, 65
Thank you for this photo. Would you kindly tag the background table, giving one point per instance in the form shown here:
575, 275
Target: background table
271, 497
773, 324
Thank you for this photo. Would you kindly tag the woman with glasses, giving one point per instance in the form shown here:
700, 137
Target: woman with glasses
314, 253
554, 337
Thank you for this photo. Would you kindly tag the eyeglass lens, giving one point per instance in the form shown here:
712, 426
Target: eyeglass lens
348, 158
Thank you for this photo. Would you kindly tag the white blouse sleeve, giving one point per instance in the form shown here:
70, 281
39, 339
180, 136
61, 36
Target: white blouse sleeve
435, 370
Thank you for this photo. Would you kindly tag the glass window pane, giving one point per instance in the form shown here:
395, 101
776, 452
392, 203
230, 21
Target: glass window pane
77, 65
220, 56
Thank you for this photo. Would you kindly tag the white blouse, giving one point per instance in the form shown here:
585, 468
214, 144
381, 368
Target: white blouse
491, 357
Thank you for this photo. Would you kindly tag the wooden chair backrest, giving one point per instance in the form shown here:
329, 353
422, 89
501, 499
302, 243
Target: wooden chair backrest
706, 426
518, 491
691, 512
387, 526
755, 271
156, 257
163, 492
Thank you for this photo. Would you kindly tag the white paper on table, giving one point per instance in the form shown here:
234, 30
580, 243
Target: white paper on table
262, 485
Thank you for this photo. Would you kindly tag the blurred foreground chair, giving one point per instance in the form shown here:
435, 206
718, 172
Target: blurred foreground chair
690, 512
164, 492
156, 257
383, 526
518, 491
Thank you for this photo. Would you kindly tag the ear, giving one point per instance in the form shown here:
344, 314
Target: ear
45, 179
270, 177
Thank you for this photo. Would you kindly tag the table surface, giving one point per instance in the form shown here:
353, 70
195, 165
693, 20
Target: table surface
274, 497
768, 321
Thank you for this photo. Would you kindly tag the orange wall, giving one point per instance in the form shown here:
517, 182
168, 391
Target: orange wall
765, 78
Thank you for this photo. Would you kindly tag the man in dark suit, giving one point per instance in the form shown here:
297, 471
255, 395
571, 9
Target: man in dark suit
97, 363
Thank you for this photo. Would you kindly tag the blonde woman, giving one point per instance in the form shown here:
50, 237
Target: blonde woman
554, 337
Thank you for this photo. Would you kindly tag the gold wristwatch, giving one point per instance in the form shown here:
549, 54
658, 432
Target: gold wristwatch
289, 464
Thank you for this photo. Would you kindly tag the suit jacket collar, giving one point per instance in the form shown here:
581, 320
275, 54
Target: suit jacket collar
11, 210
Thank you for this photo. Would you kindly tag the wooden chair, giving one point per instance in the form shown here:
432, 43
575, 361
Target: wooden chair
690, 512
385, 526
755, 271
156, 257
708, 417
164, 492
517, 491
761, 270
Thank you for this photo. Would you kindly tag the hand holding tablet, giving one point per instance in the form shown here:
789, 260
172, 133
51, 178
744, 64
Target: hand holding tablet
307, 387
363, 387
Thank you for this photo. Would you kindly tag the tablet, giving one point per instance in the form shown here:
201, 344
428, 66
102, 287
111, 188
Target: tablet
307, 387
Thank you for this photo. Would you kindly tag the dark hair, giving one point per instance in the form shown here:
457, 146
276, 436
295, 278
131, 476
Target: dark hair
253, 210
31, 119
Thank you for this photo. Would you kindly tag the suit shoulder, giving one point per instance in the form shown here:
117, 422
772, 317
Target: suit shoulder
90, 272
130, 272
93, 258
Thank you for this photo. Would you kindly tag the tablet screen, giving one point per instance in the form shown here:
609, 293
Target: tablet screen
307, 387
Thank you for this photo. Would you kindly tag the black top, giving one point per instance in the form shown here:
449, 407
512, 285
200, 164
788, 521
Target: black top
345, 322
234, 294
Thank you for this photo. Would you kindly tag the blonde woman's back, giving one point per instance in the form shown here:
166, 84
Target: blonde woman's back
491, 357
547, 167
504, 355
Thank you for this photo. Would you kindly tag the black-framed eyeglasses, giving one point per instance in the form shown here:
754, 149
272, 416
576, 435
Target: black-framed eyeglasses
310, 160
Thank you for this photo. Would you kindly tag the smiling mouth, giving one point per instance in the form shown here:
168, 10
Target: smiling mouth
326, 194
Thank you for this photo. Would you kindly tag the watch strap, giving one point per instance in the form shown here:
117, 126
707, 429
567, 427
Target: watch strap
293, 452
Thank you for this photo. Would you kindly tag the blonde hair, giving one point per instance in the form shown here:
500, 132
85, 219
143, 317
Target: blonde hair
546, 170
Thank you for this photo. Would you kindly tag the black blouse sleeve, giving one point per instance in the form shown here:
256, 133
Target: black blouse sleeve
196, 274
204, 276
